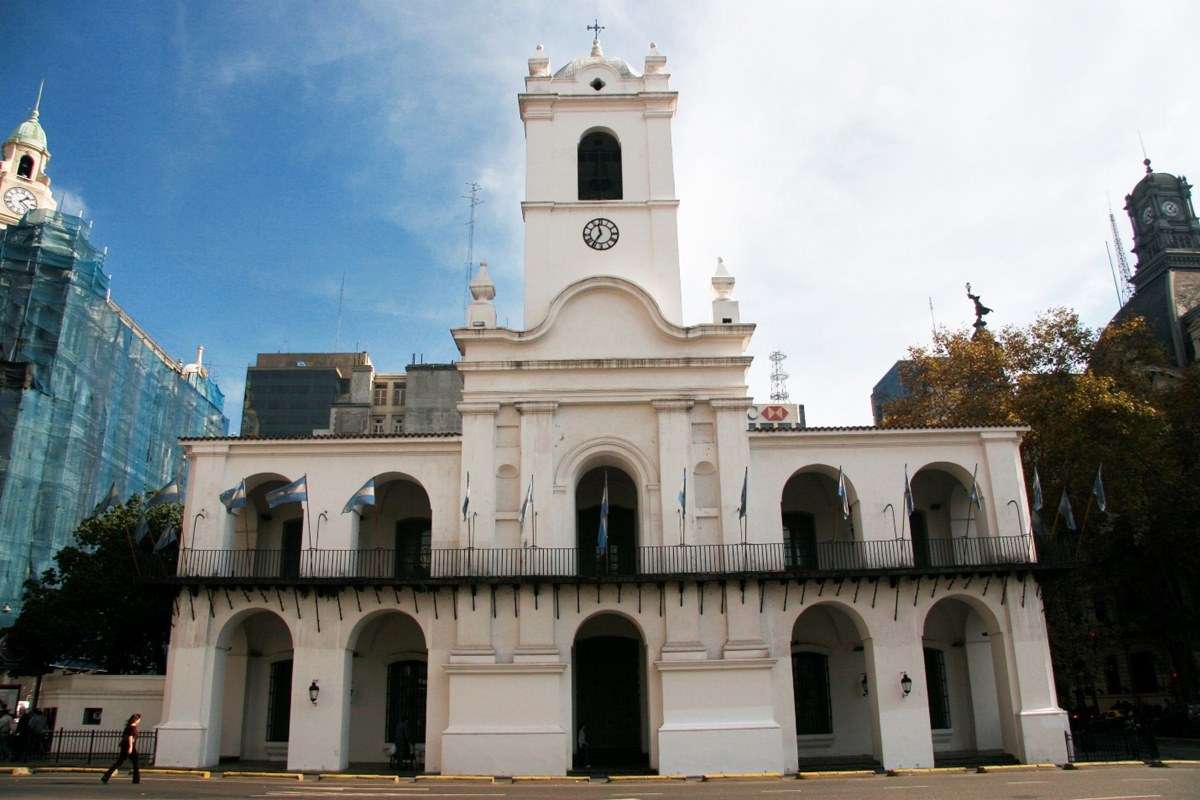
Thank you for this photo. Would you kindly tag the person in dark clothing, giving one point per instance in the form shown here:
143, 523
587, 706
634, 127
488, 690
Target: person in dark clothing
128, 749
400, 741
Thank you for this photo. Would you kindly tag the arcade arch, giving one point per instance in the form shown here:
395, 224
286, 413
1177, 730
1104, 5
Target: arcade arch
944, 516
608, 676
252, 682
619, 553
388, 697
273, 538
394, 535
816, 532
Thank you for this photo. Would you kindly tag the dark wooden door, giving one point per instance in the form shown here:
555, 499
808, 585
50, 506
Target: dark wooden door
920, 539
412, 548
799, 540
608, 700
621, 555
290, 547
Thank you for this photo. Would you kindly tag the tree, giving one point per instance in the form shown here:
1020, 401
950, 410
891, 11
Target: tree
1090, 398
95, 605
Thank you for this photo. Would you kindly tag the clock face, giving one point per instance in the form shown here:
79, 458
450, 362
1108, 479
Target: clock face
1170, 208
600, 234
19, 200
1147, 215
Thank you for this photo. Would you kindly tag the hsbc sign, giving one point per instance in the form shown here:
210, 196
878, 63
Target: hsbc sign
775, 415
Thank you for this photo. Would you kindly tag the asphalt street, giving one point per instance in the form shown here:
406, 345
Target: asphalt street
1111, 783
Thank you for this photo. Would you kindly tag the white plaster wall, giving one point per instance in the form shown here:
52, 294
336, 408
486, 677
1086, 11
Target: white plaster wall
118, 696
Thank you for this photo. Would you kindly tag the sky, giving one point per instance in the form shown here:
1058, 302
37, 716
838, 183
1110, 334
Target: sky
854, 163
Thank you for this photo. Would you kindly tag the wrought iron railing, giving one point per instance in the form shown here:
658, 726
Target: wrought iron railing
75, 746
570, 562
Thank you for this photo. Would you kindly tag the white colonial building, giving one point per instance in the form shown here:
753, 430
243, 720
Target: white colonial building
761, 625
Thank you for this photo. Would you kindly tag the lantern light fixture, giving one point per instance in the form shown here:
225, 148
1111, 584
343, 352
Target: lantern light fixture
905, 684
314, 691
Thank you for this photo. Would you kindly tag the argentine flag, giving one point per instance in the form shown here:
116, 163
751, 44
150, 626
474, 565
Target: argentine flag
363, 497
528, 501
166, 538
909, 504
1064, 508
294, 492
1098, 490
111, 499
602, 537
843, 495
467, 498
683, 494
234, 499
1037, 491
167, 494
745, 490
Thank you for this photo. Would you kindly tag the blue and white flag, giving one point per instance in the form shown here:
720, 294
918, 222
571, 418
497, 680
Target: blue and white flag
975, 490
1098, 490
467, 498
683, 494
141, 531
167, 494
910, 504
1064, 509
528, 501
234, 499
745, 491
363, 497
1037, 491
111, 499
602, 536
294, 492
843, 495
166, 538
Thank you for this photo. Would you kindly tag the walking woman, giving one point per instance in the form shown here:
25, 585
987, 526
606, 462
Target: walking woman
128, 749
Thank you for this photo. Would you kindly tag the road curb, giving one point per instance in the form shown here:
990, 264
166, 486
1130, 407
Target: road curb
645, 778
292, 776
1016, 767
455, 778
547, 778
1102, 764
895, 773
191, 773
742, 776
833, 773
1180, 762
84, 770
16, 772
351, 776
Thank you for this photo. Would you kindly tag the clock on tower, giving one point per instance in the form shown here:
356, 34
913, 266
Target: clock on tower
24, 184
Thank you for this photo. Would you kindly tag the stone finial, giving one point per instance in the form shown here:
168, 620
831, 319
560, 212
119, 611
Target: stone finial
656, 62
481, 285
722, 281
597, 50
481, 313
539, 63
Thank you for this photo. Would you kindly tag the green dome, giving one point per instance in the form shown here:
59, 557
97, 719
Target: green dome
29, 132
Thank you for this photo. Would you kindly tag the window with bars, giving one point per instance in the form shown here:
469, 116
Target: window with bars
406, 689
377, 425
398, 425
810, 690
937, 689
381, 394
279, 701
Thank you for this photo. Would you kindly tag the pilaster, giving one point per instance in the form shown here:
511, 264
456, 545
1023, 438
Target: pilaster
674, 440
479, 462
537, 463
733, 452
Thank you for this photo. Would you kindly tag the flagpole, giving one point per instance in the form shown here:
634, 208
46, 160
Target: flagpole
1057, 514
307, 513
971, 500
1087, 510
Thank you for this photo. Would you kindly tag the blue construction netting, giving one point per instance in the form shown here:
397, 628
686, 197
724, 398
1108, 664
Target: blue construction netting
87, 399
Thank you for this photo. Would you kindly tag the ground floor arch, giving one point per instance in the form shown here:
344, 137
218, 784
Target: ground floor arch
966, 679
253, 689
610, 719
388, 698
834, 717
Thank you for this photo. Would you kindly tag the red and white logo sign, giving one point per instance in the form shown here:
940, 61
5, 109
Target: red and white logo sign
774, 413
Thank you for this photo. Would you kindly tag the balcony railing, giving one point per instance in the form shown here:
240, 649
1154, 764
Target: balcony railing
420, 564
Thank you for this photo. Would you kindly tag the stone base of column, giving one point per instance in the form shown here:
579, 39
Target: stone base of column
1043, 735
745, 648
181, 744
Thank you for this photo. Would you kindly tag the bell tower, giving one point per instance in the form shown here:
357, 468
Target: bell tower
599, 177
24, 184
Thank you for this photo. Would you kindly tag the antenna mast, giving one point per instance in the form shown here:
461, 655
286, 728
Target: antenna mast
474, 201
1123, 290
779, 392
337, 336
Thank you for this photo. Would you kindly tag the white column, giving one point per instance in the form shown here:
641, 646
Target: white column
537, 460
733, 454
674, 440
1007, 482
1025, 663
903, 735
319, 733
189, 735
479, 461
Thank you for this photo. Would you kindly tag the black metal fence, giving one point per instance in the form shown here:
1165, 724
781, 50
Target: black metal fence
74, 746
653, 561
1111, 741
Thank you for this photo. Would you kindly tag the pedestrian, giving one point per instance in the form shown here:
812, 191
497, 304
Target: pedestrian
37, 733
21, 735
6, 720
128, 749
400, 741
582, 741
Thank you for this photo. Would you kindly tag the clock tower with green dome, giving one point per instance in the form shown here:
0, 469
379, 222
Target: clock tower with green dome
24, 156
1166, 280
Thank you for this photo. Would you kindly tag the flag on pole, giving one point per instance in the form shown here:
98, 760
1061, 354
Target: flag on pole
1064, 508
528, 501
111, 499
294, 492
1098, 490
683, 494
1037, 491
363, 497
167, 494
975, 491
166, 538
909, 504
843, 495
745, 491
602, 536
142, 530
467, 498
234, 499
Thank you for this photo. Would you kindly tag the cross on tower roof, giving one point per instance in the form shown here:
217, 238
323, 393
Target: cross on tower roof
597, 27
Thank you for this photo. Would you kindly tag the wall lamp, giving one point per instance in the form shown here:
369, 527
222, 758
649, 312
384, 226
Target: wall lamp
314, 692
905, 684
863, 683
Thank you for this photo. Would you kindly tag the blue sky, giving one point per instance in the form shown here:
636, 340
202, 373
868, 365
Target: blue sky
849, 161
